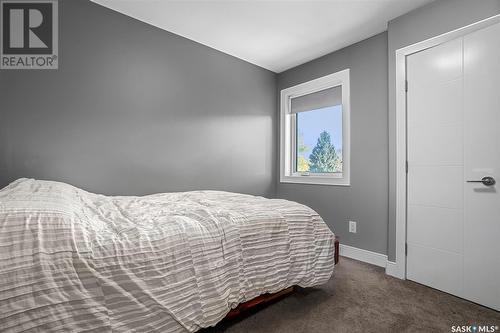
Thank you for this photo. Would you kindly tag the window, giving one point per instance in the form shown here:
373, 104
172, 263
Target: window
314, 144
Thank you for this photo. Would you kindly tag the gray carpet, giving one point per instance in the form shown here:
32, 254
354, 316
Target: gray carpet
361, 298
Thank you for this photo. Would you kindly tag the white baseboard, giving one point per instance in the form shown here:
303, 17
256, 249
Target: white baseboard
369, 257
392, 269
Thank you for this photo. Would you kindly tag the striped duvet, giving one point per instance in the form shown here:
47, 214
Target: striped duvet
75, 261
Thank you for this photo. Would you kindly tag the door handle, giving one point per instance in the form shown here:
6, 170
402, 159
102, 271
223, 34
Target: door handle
487, 181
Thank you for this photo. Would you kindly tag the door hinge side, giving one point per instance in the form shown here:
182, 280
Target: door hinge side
406, 249
406, 166
406, 85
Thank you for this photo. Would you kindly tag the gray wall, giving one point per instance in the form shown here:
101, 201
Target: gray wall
365, 201
134, 109
431, 20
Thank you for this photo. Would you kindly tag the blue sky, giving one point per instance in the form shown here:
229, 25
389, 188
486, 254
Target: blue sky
312, 123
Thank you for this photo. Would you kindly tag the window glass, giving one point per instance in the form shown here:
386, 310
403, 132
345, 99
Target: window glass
319, 140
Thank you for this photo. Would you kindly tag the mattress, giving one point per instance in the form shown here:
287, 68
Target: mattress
75, 261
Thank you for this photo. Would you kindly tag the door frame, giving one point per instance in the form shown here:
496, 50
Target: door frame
398, 268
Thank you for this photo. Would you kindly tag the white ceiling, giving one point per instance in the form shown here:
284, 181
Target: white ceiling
276, 35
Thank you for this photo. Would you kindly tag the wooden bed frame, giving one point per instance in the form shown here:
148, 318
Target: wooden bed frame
266, 298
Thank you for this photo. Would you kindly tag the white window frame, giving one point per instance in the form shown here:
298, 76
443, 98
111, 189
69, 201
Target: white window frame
288, 128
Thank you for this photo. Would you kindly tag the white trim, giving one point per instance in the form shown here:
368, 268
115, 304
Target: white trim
391, 269
398, 268
286, 134
369, 257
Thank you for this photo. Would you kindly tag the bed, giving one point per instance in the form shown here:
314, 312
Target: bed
75, 261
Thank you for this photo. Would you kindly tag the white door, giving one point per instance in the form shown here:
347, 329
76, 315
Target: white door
453, 128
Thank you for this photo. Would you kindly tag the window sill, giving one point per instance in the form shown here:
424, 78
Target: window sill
311, 180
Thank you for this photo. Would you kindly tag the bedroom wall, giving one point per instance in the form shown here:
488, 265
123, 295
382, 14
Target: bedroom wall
365, 201
134, 109
423, 23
